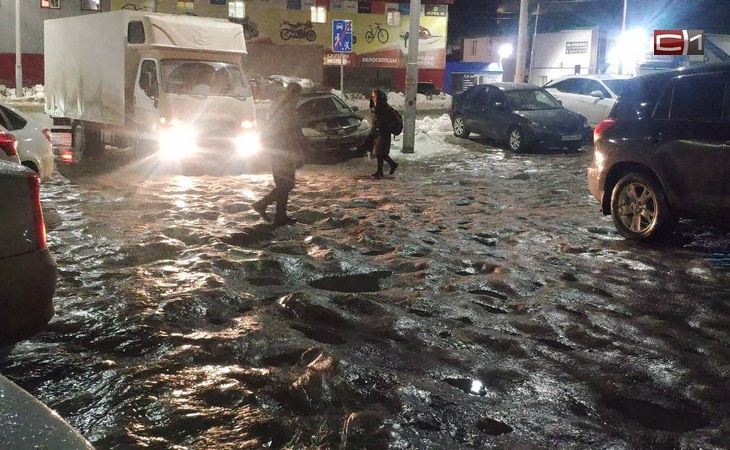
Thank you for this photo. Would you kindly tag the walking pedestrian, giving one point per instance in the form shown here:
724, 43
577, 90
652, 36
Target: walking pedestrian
280, 138
378, 141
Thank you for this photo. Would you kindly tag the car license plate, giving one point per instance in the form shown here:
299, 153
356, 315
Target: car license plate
570, 137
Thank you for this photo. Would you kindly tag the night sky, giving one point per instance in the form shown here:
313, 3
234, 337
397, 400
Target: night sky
469, 18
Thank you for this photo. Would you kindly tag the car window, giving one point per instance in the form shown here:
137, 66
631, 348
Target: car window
476, 92
665, 102
571, 85
639, 96
593, 85
10, 120
531, 99
320, 106
698, 97
615, 85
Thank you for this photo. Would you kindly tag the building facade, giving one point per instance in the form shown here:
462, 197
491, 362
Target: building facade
274, 29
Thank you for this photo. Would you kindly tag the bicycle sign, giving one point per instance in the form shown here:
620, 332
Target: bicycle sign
342, 36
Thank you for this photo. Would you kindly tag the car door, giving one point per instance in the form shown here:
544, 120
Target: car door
569, 92
595, 102
475, 114
692, 135
499, 114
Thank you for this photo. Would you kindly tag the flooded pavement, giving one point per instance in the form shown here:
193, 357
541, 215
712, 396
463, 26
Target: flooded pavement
472, 300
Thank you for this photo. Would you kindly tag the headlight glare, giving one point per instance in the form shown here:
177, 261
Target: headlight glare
248, 144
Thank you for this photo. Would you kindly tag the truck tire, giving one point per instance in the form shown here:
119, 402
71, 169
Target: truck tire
86, 140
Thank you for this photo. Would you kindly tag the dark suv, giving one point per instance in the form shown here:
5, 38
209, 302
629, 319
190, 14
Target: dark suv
663, 153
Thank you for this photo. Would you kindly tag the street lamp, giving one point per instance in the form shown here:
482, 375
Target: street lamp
504, 51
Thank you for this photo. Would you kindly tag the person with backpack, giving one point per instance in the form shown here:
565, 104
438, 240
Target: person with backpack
281, 138
384, 121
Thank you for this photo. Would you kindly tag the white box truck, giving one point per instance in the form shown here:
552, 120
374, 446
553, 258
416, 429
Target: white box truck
162, 83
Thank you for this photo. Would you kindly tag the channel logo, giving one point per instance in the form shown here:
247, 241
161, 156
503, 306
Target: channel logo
679, 42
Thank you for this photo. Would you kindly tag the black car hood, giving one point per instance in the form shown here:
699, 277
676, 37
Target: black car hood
557, 119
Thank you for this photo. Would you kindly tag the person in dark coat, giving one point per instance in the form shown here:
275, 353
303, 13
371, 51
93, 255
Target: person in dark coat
378, 141
281, 141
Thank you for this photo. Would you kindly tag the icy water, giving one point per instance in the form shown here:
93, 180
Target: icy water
473, 300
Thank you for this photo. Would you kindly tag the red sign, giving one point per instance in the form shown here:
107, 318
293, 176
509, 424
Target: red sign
679, 42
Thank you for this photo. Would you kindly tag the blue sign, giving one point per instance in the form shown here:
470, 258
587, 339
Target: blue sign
342, 36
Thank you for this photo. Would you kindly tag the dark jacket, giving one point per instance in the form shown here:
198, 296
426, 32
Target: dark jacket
380, 133
281, 137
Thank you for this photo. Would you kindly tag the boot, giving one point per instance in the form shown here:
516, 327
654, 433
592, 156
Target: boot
260, 208
377, 175
393, 167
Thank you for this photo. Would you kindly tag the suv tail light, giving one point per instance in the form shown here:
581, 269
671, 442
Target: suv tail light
39, 225
8, 143
602, 127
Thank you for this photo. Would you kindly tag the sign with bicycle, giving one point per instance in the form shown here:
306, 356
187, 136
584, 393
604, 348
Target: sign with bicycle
342, 36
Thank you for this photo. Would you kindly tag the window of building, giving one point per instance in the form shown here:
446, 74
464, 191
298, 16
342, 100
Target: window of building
185, 6
236, 9
392, 17
473, 50
55, 4
319, 14
91, 5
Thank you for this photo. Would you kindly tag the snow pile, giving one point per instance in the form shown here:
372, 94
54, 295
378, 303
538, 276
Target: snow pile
33, 94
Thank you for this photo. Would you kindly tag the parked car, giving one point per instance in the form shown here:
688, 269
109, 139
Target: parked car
427, 89
27, 266
328, 123
662, 153
8, 147
524, 115
34, 140
34, 425
590, 95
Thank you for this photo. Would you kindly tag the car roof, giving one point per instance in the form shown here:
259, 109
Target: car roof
594, 76
507, 86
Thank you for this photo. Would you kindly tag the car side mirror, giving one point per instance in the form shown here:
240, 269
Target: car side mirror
354, 108
598, 94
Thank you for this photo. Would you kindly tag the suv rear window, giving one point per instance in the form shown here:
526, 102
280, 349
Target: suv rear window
638, 97
698, 97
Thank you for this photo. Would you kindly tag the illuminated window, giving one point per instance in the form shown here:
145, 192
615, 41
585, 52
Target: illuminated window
319, 14
55, 4
236, 9
473, 47
91, 5
392, 17
185, 6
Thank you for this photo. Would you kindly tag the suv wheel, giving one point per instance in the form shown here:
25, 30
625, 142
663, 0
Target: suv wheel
459, 127
640, 210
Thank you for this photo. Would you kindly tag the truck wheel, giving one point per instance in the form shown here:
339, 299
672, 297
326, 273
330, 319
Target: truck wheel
85, 140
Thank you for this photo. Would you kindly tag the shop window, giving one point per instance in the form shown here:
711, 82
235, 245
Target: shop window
392, 17
185, 6
236, 9
54, 4
319, 14
91, 5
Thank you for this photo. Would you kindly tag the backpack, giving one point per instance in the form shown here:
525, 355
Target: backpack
396, 125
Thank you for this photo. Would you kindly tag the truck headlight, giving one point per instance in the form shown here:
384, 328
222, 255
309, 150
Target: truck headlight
177, 141
248, 143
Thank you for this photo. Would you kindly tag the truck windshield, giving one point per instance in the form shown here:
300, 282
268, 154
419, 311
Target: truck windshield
186, 77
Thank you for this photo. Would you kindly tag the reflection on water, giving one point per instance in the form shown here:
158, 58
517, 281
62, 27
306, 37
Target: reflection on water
467, 297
